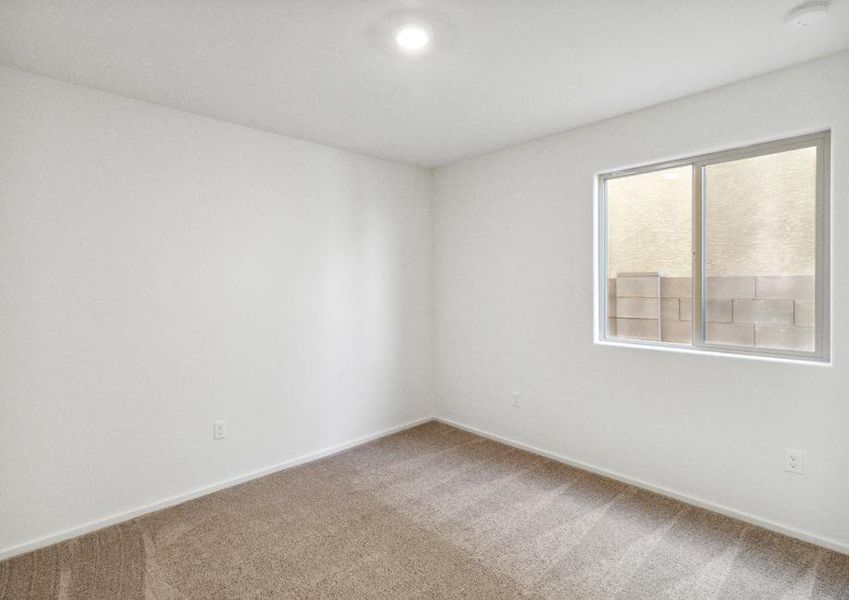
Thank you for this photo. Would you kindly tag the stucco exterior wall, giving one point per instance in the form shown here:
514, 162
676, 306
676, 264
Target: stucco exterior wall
760, 218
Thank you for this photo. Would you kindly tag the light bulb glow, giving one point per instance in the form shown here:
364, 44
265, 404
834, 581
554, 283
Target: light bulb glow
412, 38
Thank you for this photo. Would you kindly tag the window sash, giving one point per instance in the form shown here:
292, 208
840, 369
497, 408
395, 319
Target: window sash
820, 141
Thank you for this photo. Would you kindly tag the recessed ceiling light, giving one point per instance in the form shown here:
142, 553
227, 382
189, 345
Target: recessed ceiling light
411, 34
412, 38
807, 14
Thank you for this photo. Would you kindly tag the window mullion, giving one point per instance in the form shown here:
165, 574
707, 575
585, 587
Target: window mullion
823, 241
698, 256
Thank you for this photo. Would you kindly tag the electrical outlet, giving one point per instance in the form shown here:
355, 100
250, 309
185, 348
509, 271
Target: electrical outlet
793, 461
515, 402
218, 430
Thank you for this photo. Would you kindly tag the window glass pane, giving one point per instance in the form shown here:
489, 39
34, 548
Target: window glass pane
760, 244
649, 260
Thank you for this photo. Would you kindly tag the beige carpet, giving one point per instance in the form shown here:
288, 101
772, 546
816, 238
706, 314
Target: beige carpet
432, 512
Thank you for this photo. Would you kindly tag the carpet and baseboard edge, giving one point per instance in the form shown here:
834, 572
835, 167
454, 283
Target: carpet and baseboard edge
811, 538
73, 532
91, 526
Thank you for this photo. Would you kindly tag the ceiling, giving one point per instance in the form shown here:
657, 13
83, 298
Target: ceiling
500, 72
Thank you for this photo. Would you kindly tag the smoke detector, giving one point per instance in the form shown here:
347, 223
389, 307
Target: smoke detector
807, 14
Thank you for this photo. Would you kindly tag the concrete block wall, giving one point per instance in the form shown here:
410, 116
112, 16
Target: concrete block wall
774, 311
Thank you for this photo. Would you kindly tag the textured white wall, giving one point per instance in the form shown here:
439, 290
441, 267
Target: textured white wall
159, 271
514, 294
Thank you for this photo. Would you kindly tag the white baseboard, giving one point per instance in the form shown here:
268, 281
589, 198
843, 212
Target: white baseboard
180, 498
828, 543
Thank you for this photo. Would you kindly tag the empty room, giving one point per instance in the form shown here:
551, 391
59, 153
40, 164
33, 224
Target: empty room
390, 299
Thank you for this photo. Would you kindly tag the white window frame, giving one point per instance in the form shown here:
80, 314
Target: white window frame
821, 353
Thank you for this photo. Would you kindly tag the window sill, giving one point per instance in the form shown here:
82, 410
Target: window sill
729, 353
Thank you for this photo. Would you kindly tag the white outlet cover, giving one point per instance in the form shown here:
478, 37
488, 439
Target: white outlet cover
794, 461
218, 430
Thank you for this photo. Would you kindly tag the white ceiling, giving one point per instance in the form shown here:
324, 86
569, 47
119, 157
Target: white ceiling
501, 72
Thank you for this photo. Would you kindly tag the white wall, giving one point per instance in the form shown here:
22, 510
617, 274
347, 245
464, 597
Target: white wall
161, 270
514, 285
